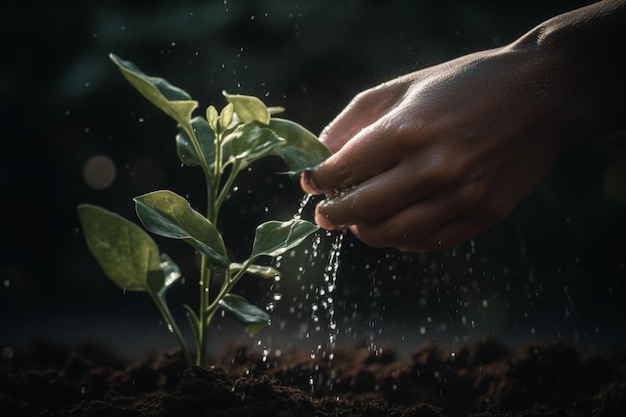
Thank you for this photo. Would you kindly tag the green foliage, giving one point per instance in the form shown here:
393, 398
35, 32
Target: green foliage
221, 144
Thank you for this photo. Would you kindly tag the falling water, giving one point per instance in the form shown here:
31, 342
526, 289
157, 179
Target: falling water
325, 292
323, 302
330, 278
303, 202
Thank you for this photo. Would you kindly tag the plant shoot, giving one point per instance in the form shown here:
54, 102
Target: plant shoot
221, 144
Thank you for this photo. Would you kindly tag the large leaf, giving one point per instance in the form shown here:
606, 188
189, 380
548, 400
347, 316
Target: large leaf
250, 142
126, 253
249, 108
170, 215
245, 313
274, 238
129, 256
173, 101
302, 150
206, 138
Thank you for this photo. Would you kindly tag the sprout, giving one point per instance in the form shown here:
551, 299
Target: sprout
222, 144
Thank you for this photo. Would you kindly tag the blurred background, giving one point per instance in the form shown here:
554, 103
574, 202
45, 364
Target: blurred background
74, 131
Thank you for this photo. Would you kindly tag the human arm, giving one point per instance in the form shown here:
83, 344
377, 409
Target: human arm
430, 159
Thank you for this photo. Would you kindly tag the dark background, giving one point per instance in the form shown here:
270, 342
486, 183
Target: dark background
553, 270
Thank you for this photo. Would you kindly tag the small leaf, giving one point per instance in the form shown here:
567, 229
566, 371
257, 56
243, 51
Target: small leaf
206, 138
274, 238
170, 215
302, 150
250, 142
249, 108
126, 253
173, 101
226, 116
257, 270
245, 313
275, 110
212, 116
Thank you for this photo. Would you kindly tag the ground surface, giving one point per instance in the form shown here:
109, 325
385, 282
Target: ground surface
484, 379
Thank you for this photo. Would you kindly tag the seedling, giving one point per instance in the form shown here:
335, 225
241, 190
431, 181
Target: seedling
222, 145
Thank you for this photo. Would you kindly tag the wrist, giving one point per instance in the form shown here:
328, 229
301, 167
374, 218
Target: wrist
581, 70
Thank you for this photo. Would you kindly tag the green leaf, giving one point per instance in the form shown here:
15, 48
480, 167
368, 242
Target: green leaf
212, 116
249, 108
226, 116
257, 270
173, 101
250, 142
275, 110
302, 150
245, 313
206, 138
170, 215
274, 238
126, 253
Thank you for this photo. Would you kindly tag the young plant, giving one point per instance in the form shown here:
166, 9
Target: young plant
222, 145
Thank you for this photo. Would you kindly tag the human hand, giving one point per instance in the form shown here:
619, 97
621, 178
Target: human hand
430, 159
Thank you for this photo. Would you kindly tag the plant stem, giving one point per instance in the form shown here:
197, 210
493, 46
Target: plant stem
205, 279
167, 316
229, 283
229, 183
206, 315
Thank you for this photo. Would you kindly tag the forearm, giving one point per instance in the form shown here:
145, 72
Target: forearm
584, 54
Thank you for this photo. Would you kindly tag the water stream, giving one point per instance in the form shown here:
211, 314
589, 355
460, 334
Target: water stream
317, 312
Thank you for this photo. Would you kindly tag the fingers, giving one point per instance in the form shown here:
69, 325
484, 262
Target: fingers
367, 154
375, 199
412, 227
366, 108
370, 202
434, 224
355, 128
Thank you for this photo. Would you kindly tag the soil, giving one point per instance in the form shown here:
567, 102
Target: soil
482, 379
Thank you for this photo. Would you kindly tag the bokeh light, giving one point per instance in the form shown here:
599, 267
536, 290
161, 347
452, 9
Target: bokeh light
99, 172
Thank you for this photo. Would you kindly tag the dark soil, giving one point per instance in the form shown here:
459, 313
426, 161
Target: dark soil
485, 379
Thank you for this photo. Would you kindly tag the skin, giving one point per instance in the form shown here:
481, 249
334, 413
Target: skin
430, 159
